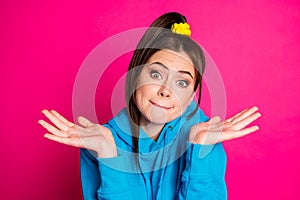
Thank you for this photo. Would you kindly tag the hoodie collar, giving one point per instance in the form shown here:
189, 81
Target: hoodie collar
121, 124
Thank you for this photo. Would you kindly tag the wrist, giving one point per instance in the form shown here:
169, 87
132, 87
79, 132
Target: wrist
196, 139
106, 153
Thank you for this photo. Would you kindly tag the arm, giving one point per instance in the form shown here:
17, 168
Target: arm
203, 177
97, 144
90, 177
104, 169
205, 165
100, 180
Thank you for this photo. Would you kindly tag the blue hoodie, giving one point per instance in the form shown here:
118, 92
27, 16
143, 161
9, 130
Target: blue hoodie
167, 169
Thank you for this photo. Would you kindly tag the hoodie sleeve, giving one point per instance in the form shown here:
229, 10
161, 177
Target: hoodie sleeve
204, 175
90, 176
106, 178
100, 180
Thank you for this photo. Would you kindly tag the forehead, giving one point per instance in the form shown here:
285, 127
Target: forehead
173, 60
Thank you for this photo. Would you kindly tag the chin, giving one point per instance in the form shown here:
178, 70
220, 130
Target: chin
159, 118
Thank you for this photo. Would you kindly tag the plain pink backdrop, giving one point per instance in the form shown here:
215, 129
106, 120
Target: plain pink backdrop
255, 44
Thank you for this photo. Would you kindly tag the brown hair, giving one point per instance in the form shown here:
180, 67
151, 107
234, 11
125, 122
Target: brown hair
158, 37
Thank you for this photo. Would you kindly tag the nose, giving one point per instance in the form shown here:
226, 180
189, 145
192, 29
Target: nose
164, 92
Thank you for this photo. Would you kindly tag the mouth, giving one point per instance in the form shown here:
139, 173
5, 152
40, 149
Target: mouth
160, 106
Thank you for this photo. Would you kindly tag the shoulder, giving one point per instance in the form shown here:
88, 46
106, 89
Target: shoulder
120, 128
191, 118
198, 116
120, 122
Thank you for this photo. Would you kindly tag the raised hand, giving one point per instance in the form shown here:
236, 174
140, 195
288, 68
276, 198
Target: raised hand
86, 135
215, 131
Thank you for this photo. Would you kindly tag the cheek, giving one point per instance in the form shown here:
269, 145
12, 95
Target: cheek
144, 93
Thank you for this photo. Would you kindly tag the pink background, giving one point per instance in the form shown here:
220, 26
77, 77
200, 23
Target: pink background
255, 45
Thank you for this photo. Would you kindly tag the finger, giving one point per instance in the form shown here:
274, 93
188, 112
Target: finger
52, 129
245, 114
232, 119
84, 122
242, 114
68, 141
246, 121
216, 124
57, 122
236, 115
61, 118
72, 128
237, 134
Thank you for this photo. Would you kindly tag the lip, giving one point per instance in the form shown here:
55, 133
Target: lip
160, 106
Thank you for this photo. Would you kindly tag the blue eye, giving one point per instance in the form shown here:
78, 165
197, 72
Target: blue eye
182, 83
155, 75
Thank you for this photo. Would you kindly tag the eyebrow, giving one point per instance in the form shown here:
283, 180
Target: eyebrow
180, 71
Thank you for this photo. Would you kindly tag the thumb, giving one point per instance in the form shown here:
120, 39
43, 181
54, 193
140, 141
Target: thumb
214, 120
84, 122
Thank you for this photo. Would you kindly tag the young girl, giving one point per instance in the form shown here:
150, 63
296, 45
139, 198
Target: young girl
161, 146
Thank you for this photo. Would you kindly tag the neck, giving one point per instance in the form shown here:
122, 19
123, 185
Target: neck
153, 130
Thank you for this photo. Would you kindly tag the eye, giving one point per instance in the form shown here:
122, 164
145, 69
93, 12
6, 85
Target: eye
182, 83
155, 75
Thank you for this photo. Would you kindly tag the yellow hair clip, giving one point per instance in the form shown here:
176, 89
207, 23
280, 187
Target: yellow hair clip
181, 28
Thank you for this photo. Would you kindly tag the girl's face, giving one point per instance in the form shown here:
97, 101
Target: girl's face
165, 87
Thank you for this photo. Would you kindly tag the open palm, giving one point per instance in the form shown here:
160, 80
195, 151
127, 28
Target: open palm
215, 130
86, 135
